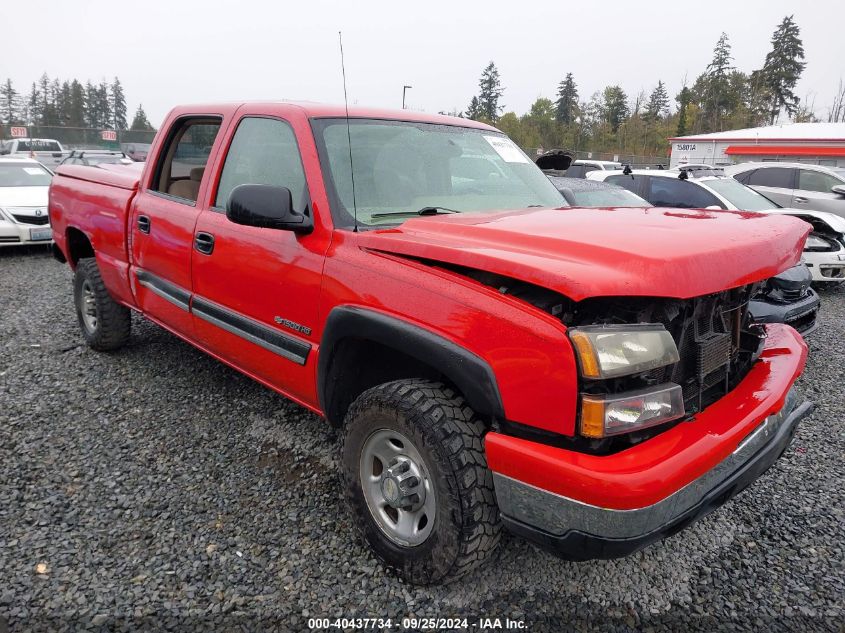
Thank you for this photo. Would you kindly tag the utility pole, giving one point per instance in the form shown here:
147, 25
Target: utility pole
404, 89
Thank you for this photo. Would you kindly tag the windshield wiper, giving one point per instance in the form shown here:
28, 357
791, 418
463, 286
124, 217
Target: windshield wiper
423, 211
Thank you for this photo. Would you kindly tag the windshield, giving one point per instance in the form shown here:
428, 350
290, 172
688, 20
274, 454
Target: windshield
403, 167
742, 197
24, 175
608, 198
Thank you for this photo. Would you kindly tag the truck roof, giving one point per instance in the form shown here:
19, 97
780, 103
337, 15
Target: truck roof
324, 110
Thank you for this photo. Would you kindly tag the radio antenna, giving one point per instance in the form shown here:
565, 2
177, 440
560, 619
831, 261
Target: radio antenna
348, 133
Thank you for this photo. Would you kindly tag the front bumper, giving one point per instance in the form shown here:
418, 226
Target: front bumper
826, 267
801, 314
17, 233
584, 506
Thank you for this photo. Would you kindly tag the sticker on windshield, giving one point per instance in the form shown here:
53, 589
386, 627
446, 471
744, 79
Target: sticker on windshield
507, 149
34, 171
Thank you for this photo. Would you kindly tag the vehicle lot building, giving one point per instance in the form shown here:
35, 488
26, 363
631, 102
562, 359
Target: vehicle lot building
812, 143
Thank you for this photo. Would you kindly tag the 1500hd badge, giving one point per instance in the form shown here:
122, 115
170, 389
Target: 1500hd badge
293, 326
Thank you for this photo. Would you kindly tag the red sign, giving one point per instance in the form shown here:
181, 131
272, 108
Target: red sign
18, 132
108, 135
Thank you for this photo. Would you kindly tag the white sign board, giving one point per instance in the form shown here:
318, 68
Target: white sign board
108, 135
18, 132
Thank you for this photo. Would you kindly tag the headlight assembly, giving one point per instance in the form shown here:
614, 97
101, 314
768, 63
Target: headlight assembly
610, 351
604, 415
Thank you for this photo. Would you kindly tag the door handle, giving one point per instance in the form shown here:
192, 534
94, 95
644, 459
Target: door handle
204, 242
801, 199
144, 224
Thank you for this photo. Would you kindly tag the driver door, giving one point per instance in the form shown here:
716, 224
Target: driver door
256, 290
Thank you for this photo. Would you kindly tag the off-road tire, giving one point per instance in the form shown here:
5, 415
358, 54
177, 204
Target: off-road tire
449, 436
113, 320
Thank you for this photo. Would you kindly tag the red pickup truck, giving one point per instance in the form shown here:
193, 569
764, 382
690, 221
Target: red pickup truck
588, 378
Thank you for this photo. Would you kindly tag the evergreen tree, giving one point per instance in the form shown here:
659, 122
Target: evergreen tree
104, 111
783, 68
91, 116
491, 92
140, 122
658, 103
567, 101
715, 89
474, 109
33, 105
118, 105
10, 103
76, 116
615, 107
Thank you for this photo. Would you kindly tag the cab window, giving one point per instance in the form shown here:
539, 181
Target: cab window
182, 162
674, 192
810, 180
263, 152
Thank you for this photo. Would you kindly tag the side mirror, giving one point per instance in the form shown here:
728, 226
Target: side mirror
838, 189
266, 206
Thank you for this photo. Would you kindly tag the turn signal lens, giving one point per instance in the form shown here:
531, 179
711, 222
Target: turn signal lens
610, 351
605, 415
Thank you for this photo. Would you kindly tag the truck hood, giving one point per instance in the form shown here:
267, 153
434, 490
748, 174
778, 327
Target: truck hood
583, 252
23, 197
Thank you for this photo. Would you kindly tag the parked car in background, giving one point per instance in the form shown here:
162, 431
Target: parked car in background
784, 298
136, 151
24, 183
699, 188
580, 168
94, 157
47, 151
580, 192
795, 185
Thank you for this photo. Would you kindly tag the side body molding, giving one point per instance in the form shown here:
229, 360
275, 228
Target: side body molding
469, 373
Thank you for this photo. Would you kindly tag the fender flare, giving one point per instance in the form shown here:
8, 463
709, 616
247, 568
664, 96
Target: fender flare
468, 372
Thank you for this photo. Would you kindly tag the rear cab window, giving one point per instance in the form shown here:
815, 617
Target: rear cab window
182, 161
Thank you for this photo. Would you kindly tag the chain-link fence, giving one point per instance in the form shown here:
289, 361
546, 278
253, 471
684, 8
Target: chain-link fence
634, 160
80, 137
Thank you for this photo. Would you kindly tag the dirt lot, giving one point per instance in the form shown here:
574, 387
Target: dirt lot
155, 488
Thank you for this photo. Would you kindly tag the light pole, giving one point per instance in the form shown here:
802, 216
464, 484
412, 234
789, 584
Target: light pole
404, 88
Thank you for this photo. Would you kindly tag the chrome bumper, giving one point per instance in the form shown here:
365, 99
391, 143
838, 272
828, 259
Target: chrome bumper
534, 511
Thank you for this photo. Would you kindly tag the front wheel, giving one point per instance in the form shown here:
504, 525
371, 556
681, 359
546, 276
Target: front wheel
417, 480
105, 324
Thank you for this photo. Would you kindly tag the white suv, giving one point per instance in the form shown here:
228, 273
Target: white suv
824, 252
24, 184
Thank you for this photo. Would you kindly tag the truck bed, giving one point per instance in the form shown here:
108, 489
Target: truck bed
97, 203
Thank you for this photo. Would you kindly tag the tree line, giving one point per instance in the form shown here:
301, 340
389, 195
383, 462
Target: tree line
722, 97
69, 103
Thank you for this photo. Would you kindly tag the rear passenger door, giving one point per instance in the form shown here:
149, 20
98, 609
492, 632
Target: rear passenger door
256, 290
164, 214
776, 183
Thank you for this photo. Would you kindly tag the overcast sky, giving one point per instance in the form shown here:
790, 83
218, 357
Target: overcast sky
183, 51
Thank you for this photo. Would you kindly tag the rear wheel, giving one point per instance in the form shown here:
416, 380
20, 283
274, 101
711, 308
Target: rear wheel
105, 324
417, 480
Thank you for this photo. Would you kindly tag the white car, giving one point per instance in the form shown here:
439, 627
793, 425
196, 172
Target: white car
580, 168
24, 184
824, 252
47, 151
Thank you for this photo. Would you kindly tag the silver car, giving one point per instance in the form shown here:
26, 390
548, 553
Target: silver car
795, 185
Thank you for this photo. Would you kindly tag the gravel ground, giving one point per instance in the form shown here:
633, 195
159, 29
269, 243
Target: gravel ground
156, 489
